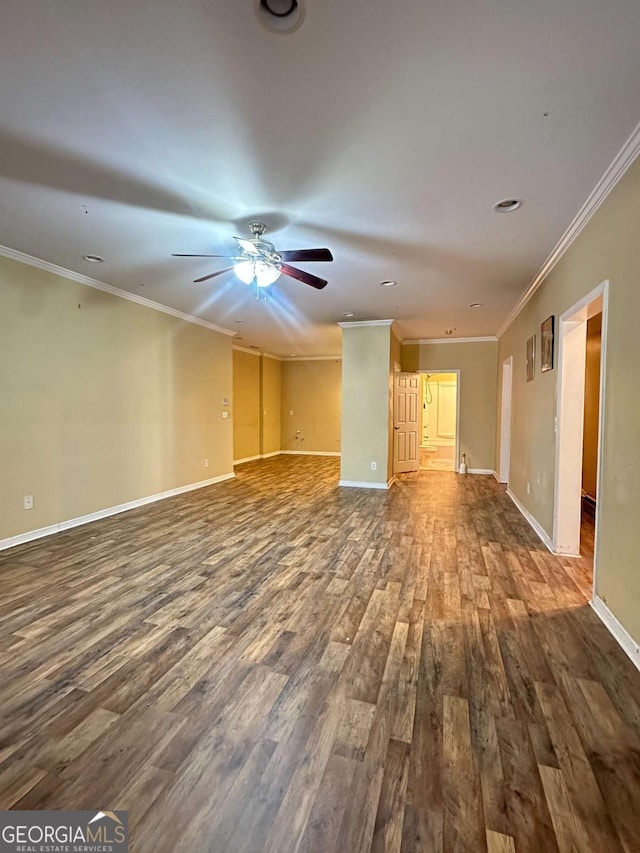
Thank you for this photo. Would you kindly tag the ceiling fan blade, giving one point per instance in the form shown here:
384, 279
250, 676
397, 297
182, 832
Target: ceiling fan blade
246, 246
176, 255
213, 275
306, 277
307, 255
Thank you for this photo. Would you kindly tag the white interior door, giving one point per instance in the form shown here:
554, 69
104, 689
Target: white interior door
406, 422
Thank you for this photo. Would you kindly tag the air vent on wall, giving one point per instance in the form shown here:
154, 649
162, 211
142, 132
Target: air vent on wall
280, 16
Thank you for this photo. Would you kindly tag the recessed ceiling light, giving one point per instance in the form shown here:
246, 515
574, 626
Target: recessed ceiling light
507, 205
475, 305
280, 16
348, 314
388, 283
93, 259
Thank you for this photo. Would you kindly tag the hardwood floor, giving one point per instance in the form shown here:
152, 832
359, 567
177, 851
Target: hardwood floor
276, 664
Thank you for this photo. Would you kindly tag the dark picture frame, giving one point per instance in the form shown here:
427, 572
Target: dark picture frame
546, 344
531, 358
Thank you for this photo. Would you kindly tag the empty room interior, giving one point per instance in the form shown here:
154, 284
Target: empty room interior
320, 425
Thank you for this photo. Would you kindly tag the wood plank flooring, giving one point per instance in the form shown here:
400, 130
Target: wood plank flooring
276, 664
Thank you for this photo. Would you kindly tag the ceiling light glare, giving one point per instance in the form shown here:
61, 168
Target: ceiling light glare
507, 205
280, 16
93, 259
388, 283
256, 272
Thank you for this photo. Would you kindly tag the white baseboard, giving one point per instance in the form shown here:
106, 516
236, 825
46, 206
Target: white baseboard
489, 471
30, 535
310, 452
618, 630
363, 484
532, 521
285, 452
497, 476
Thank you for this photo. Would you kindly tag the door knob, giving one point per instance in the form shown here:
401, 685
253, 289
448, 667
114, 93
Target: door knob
396, 427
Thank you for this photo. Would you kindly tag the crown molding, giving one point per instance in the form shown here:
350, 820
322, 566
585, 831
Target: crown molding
352, 324
281, 358
313, 358
623, 159
238, 348
29, 260
477, 340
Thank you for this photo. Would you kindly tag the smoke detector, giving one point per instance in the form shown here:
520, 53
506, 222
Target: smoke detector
280, 16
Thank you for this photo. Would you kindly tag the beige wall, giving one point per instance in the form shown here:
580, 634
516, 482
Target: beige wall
271, 404
102, 401
591, 406
312, 390
608, 248
246, 404
366, 360
395, 364
477, 362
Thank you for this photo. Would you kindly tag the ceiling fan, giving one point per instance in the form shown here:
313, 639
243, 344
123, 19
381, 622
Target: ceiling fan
258, 262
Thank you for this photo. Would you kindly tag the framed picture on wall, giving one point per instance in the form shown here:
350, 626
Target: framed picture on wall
546, 345
531, 358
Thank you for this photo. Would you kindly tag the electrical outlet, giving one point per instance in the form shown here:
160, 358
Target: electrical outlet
206, 463
28, 501
374, 466
225, 414
291, 411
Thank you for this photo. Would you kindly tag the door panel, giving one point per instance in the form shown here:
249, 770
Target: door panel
406, 422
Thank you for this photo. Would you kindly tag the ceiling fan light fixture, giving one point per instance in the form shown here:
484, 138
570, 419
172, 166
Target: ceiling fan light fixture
256, 272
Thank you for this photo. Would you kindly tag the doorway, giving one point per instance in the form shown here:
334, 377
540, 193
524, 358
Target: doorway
439, 421
505, 420
579, 420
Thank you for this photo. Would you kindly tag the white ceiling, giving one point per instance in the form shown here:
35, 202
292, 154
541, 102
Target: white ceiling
385, 131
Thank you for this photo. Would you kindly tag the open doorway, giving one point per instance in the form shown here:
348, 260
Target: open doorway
439, 421
581, 355
505, 420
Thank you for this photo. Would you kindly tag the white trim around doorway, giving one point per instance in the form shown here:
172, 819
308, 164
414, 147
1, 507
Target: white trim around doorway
570, 404
431, 371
